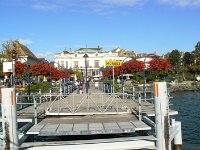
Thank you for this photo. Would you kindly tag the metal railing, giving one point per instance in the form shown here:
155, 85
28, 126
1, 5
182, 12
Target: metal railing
94, 103
82, 104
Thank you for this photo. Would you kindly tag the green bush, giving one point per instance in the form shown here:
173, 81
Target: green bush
194, 83
36, 87
117, 87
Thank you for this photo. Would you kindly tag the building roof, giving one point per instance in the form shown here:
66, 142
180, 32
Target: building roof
123, 52
21, 50
89, 50
116, 50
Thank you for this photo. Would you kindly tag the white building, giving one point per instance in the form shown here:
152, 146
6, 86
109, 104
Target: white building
23, 53
95, 61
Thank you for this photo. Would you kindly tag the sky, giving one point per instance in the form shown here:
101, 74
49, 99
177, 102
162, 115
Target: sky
48, 27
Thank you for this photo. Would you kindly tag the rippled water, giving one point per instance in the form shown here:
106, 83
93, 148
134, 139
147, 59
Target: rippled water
188, 106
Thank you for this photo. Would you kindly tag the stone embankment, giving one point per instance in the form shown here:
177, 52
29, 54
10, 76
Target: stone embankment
177, 88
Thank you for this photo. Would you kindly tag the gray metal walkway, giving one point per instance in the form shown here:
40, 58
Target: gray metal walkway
81, 114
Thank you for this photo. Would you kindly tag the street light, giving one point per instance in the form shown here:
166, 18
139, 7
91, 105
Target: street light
50, 78
86, 78
144, 86
14, 54
28, 74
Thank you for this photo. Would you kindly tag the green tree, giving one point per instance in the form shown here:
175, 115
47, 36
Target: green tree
188, 59
175, 60
195, 68
196, 53
188, 62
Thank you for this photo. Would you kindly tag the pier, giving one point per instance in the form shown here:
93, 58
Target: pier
96, 119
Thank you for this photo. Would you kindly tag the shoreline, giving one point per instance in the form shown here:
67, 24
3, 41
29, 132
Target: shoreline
181, 88
172, 87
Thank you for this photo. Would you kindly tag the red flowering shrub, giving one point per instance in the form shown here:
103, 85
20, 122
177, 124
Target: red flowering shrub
159, 65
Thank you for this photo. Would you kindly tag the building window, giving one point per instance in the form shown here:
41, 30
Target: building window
96, 63
67, 64
75, 55
75, 64
96, 54
62, 63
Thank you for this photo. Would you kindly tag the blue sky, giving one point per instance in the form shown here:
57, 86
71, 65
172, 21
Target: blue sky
47, 27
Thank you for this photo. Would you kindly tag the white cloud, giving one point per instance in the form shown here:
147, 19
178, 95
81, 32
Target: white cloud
46, 6
122, 2
98, 6
181, 3
45, 54
26, 41
105, 7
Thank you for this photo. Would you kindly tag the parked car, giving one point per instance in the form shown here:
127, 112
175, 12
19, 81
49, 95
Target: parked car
169, 79
198, 78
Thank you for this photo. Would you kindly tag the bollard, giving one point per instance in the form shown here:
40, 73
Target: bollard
133, 91
161, 115
140, 108
35, 110
18, 101
178, 137
9, 119
123, 92
40, 92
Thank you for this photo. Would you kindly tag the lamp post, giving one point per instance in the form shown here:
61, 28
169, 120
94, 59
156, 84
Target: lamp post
28, 74
86, 73
50, 78
14, 54
81, 82
145, 81
110, 72
103, 80
106, 86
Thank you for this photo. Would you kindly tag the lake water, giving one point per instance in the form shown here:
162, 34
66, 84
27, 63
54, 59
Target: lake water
188, 106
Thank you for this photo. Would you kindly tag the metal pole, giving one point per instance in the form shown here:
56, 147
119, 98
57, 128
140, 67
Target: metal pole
50, 79
122, 86
110, 91
35, 109
122, 81
29, 90
13, 68
144, 86
161, 116
106, 83
103, 81
139, 108
62, 82
67, 86
9, 119
113, 81
86, 74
